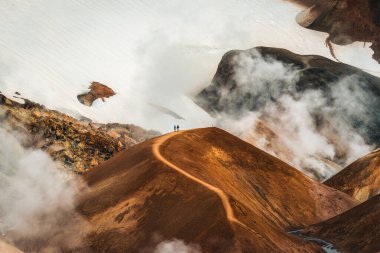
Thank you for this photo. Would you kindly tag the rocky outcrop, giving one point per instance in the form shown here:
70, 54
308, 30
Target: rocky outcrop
78, 145
97, 90
360, 179
345, 21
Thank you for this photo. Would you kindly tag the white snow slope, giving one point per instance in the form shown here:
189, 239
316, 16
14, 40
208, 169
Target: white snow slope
148, 51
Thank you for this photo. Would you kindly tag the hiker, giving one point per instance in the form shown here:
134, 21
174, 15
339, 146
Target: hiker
177, 127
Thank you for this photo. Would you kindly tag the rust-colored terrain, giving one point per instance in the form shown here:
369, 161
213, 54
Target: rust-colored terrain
360, 179
97, 90
205, 187
357, 230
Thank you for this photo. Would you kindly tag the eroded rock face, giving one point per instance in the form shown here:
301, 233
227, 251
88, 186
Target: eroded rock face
346, 21
97, 90
77, 145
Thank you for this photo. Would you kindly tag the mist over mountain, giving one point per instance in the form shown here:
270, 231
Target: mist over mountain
205, 126
314, 109
37, 204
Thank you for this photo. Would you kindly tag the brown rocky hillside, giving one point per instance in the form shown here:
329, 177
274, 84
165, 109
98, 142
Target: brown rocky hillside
78, 145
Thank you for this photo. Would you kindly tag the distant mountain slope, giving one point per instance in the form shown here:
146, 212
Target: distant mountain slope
205, 187
361, 179
78, 145
357, 230
310, 105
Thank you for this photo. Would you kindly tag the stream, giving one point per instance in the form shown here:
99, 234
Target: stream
326, 246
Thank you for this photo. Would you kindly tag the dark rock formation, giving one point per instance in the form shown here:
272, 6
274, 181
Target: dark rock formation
346, 21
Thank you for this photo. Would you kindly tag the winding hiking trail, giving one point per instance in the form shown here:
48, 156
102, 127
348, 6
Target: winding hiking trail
223, 197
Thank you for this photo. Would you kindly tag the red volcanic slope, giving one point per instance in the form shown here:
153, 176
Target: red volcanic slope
206, 187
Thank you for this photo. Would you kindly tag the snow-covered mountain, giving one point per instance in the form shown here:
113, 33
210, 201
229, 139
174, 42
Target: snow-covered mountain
149, 52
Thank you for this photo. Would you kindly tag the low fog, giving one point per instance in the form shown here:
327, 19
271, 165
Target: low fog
37, 199
149, 52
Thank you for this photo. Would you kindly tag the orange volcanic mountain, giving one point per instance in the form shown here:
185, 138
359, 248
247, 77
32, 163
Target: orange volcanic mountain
205, 187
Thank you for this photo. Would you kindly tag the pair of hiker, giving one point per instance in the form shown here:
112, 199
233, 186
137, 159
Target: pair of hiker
176, 128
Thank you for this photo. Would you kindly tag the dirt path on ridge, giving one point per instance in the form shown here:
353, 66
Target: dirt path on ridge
223, 196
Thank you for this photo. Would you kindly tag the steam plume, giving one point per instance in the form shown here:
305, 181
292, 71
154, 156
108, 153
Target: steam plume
37, 199
176, 246
309, 126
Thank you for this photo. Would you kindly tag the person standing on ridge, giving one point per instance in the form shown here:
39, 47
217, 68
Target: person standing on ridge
177, 128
